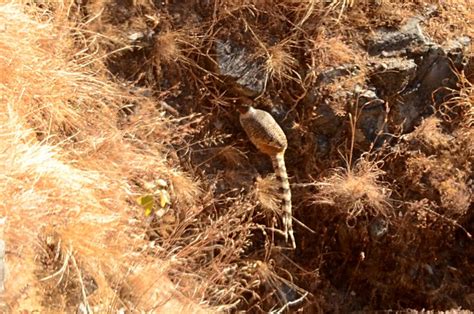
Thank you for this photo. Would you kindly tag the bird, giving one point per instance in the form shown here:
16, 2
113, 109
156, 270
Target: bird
265, 133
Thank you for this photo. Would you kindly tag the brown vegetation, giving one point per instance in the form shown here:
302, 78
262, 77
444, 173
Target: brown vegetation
103, 102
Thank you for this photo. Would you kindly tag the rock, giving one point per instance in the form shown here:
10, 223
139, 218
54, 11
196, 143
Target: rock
392, 76
323, 144
332, 74
328, 122
245, 72
408, 111
390, 42
419, 76
373, 115
457, 45
435, 72
378, 227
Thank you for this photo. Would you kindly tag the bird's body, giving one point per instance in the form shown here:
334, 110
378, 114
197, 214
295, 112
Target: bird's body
265, 133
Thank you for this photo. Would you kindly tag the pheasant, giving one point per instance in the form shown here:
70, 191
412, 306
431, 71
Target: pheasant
265, 133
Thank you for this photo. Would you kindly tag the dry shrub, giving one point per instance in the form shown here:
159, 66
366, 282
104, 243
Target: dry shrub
69, 218
267, 194
454, 18
207, 250
280, 64
429, 133
330, 52
438, 178
356, 191
281, 293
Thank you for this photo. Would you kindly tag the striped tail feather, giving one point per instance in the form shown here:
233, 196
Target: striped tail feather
280, 171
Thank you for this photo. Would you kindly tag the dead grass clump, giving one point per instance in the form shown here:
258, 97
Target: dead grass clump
329, 51
280, 64
185, 190
438, 178
154, 292
40, 190
173, 50
167, 47
39, 79
454, 18
459, 110
267, 194
430, 134
357, 191
439, 168
71, 231
371, 14
232, 156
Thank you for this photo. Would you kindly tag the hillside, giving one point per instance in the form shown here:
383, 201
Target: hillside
128, 183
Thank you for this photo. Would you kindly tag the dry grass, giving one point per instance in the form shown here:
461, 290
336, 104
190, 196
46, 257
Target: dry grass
279, 64
267, 194
455, 18
67, 205
79, 149
356, 191
430, 134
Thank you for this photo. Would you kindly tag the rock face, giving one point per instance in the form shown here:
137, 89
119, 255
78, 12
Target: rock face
406, 72
393, 75
389, 42
373, 115
411, 70
236, 65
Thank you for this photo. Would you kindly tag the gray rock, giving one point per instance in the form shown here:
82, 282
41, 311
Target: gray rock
332, 74
328, 122
371, 120
435, 72
390, 42
378, 227
419, 78
407, 112
392, 76
458, 44
243, 70
323, 144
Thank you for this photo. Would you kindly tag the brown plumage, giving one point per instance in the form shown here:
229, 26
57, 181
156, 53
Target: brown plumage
265, 133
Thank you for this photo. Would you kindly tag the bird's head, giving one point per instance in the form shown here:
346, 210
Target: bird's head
244, 105
243, 108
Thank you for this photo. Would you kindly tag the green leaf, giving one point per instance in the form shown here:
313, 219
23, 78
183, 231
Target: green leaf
147, 202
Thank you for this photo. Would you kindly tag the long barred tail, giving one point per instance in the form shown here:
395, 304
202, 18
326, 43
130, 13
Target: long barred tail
280, 171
